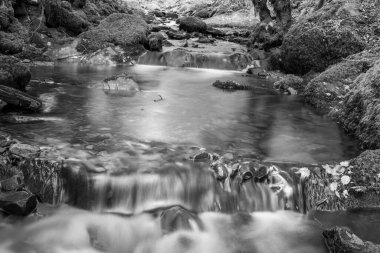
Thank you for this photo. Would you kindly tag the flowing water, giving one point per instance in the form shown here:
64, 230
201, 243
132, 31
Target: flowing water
144, 144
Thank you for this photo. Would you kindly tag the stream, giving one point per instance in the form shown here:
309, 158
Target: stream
146, 143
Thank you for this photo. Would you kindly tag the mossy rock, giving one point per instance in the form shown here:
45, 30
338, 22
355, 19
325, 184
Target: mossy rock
13, 73
290, 81
58, 14
155, 41
192, 24
125, 30
308, 46
326, 90
10, 43
324, 38
359, 111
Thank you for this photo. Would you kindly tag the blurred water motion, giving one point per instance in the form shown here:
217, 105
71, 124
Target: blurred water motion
191, 112
71, 230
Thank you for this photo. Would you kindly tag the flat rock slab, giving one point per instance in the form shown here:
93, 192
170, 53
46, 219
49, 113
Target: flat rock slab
24, 150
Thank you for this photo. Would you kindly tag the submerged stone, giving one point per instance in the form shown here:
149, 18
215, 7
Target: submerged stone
230, 85
178, 218
121, 86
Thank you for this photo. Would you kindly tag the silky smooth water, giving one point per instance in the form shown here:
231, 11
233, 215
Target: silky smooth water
258, 122
134, 138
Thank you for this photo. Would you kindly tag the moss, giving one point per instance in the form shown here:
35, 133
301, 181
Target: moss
359, 111
308, 46
125, 30
192, 24
155, 41
326, 36
290, 81
13, 73
58, 14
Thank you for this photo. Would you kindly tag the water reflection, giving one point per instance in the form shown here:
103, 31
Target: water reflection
258, 121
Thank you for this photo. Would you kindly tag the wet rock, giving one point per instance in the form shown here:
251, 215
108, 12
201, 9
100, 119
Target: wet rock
230, 85
155, 41
120, 85
215, 32
44, 178
149, 19
24, 150
13, 73
158, 28
20, 99
11, 184
158, 13
181, 57
125, 30
192, 24
20, 203
106, 56
262, 172
301, 48
178, 218
5, 139
263, 74
60, 14
177, 35
341, 239
172, 15
220, 170
205, 40
290, 84
21, 119
205, 13
246, 170
203, 157
185, 44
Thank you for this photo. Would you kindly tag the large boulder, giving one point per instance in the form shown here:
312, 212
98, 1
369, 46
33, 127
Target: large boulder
12, 33
328, 88
325, 37
155, 41
125, 30
360, 110
192, 24
341, 239
59, 14
13, 73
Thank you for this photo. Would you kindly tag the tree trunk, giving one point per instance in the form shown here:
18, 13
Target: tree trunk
283, 12
262, 8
